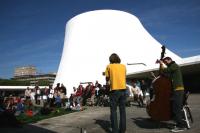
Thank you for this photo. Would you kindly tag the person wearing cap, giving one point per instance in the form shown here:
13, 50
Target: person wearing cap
116, 77
175, 75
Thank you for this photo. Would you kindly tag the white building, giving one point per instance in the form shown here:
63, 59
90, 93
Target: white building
91, 37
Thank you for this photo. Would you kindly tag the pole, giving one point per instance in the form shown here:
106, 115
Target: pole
136, 64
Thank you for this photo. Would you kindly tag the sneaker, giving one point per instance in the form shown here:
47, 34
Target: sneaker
178, 129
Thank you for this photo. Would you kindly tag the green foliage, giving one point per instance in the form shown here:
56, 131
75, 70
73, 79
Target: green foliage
11, 82
27, 119
43, 82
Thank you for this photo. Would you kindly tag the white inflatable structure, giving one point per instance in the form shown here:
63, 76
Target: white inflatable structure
90, 39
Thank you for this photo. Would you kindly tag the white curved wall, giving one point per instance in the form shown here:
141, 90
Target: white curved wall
90, 39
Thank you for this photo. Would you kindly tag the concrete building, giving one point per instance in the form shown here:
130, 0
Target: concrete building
91, 37
35, 79
29, 73
25, 71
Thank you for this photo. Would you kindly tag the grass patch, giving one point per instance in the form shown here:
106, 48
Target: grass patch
32, 119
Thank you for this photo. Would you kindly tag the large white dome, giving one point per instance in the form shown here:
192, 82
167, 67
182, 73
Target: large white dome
90, 39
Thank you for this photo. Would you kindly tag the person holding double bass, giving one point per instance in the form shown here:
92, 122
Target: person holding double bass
174, 72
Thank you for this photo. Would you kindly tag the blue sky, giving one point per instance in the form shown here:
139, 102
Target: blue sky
32, 31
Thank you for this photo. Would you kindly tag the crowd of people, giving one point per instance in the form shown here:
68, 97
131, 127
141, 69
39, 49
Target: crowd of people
98, 95
34, 101
45, 100
86, 94
91, 95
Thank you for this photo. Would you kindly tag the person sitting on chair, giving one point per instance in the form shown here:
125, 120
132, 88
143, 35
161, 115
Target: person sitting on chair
138, 95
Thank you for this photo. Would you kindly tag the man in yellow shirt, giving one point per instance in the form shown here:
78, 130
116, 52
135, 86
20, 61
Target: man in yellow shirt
116, 76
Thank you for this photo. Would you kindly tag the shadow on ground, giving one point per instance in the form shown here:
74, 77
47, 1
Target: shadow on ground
148, 123
104, 125
24, 129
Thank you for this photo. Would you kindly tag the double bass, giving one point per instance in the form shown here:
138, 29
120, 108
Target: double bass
159, 107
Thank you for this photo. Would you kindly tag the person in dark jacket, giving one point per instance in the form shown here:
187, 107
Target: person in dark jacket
175, 74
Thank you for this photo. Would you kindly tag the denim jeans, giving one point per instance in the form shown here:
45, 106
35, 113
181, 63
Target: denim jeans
177, 106
118, 97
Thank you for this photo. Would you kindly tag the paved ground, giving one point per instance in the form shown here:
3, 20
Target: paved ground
96, 120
